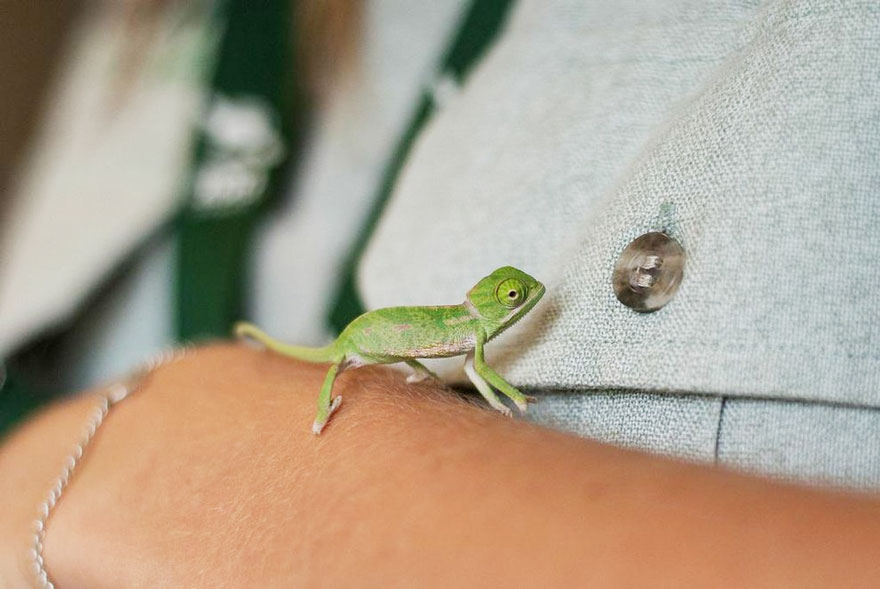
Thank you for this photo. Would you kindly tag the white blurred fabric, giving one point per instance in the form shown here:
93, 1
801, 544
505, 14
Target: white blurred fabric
106, 165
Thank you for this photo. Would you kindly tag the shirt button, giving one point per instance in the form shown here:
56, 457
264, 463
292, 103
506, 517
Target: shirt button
648, 272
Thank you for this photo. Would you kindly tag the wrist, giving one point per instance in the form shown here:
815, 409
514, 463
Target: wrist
216, 451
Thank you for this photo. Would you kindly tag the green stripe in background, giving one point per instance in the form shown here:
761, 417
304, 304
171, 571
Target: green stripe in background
16, 401
478, 30
239, 154
244, 141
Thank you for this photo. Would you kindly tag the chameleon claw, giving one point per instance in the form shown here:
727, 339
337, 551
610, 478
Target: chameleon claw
523, 404
319, 424
420, 372
416, 378
502, 409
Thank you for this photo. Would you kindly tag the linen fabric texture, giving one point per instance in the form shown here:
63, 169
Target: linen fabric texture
749, 132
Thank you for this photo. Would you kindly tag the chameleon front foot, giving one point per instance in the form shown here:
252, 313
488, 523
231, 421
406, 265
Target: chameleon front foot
324, 416
503, 410
496, 404
523, 403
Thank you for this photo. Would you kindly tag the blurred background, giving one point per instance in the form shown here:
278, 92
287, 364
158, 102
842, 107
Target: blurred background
171, 166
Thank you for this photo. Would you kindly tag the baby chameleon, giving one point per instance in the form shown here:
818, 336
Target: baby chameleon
402, 334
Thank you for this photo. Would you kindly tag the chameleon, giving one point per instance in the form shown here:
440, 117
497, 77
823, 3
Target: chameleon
404, 334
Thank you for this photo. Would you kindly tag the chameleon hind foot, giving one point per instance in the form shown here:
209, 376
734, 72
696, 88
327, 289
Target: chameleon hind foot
418, 377
420, 372
321, 420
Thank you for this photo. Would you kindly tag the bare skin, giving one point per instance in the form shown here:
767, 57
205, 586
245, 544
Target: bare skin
207, 477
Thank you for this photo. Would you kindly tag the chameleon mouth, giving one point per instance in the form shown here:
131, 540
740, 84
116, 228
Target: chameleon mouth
541, 290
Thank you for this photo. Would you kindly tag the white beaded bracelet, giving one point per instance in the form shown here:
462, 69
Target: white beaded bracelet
111, 396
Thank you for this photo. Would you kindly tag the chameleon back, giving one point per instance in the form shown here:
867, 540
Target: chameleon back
390, 334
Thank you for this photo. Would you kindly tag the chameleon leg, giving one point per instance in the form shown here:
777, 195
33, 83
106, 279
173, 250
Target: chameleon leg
484, 387
325, 406
486, 372
421, 372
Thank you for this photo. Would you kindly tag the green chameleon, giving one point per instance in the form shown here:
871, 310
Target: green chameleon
402, 334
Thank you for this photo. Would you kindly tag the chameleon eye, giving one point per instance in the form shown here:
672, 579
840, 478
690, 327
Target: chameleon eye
510, 293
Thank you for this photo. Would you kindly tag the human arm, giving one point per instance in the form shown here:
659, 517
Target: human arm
207, 476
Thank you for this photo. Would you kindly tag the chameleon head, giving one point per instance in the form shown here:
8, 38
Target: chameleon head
503, 297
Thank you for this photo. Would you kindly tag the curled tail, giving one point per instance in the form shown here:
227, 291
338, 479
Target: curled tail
325, 354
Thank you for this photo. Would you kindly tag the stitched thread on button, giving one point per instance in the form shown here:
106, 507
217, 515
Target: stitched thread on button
648, 272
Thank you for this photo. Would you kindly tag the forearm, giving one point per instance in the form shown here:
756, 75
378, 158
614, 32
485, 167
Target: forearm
210, 475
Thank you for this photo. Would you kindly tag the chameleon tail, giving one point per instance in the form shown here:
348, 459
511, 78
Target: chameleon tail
326, 354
